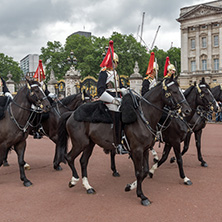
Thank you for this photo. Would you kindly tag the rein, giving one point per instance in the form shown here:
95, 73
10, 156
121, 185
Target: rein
28, 122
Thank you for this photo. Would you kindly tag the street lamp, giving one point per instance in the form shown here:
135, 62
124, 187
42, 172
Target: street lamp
72, 59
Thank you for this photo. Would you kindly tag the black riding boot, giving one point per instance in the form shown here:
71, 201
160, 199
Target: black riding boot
117, 133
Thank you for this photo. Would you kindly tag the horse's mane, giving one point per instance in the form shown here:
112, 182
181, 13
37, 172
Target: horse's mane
187, 91
65, 101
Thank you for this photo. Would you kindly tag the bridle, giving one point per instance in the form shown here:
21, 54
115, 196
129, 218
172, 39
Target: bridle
38, 109
34, 97
203, 98
168, 95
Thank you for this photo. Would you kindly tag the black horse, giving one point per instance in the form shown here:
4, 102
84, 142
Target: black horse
15, 125
47, 122
176, 130
197, 124
84, 135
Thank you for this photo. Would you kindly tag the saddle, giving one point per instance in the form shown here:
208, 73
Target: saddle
94, 112
97, 112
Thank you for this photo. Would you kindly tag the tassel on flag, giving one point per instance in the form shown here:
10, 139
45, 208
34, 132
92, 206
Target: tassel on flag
166, 65
107, 61
39, 73
150, 65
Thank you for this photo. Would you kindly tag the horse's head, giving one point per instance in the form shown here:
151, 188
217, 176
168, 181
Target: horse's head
86, 97
217, 93
173, 96
37, 96
205, 97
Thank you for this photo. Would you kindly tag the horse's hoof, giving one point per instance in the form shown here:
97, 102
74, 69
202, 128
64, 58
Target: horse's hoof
116, 174
127, 188
204, 164
188, 183
150, 175
5, 164
145, 202
172, 160
58, 168
71, 185
91, 191
27, 183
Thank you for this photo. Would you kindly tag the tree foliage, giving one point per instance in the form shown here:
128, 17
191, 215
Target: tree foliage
8, 65
89, 54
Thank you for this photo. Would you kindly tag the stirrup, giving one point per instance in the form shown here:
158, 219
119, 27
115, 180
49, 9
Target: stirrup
121, 150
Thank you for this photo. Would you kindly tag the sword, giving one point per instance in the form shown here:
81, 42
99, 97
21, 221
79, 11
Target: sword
115, 83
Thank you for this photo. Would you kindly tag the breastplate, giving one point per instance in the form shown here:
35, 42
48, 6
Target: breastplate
110, 82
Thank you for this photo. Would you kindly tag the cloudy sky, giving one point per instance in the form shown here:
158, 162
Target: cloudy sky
27, 25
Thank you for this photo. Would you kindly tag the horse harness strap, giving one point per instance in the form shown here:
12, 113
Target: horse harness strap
24, 129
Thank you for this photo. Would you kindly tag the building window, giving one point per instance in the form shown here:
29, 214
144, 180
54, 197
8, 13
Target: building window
204, 42
193, 44
216, 64
204, 64
193, 66
216, 40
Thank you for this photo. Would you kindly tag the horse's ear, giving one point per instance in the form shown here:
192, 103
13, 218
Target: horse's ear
28, 83
195, 83
203, 80
176, 77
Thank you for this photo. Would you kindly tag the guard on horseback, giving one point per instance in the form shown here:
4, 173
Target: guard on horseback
150, 80
169, 69
110, 91
5, 89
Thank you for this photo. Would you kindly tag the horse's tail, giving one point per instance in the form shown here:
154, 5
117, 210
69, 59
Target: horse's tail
62, 143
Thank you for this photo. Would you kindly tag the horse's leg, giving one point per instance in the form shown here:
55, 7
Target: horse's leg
113, 163
70, 157
20, 150
178, 155
84, 163
138, 160
164, 157
131, 186
155, 156
5, 159
198, 135
185, 146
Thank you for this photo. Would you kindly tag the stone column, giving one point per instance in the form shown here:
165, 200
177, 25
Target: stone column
209, 48
197, 48
136, 79
10, 83
72, 79
52, 82
184, 49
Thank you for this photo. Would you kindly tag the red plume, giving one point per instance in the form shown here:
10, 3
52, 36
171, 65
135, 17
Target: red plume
166, 65
107, 61
150, 66
39, 73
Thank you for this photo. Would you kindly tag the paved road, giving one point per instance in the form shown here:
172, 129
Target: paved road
50, 198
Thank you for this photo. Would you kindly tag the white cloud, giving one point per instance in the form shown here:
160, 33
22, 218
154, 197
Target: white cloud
26, 26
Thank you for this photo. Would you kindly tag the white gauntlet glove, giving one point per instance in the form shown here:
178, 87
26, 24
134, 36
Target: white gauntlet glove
116, 101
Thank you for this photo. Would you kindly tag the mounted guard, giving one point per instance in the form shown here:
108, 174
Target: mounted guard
150, 80
169, 69
110, 91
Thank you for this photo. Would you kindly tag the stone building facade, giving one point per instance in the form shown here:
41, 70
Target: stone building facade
201, 43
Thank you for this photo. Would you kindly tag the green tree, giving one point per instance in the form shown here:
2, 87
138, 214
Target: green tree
8, 65
175, 58
54, 58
